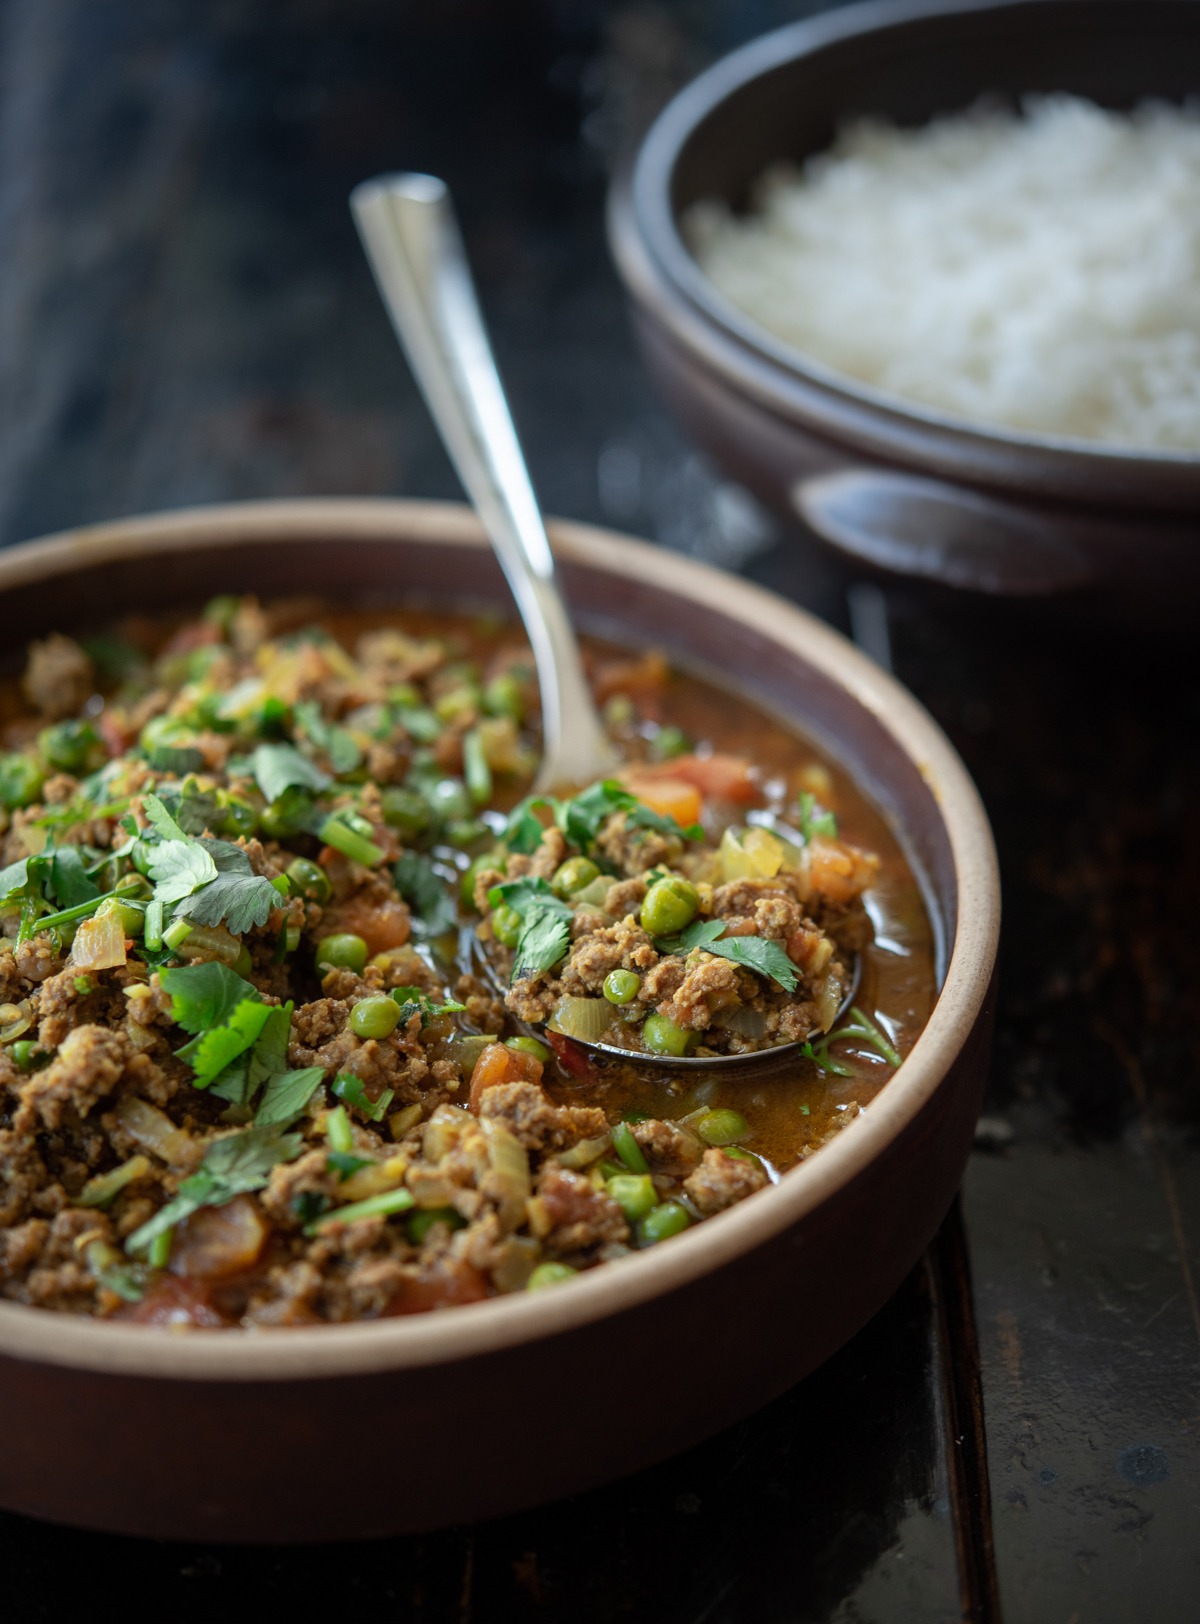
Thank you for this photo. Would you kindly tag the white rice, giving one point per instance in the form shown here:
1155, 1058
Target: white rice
1039, 270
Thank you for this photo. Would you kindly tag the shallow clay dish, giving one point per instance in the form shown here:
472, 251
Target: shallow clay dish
472, 1411
903, 488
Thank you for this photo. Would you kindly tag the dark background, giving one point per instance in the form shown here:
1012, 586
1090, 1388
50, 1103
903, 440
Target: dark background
185, 316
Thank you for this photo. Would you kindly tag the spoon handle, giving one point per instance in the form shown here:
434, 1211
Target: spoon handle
412, 241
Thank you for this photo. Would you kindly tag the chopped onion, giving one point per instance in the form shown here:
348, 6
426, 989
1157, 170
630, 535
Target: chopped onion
515, 1259
154, 1130
102, 1189
99, 943
15, 1019
509, 1180
373, 1180
595, 893
827, 996
585, 1151
748, 1023
584, 1018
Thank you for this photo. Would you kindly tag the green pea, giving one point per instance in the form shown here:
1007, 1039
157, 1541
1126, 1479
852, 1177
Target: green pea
722, 1127
449, 799
375, 1017
457, 702
72, 747
634, 1193
573, 875
308, 879
506, 925
405, 810
133, 888
503, 697
420, 1223
288, 814
524, 1045
549, 1274
21, 780
662, 1036
344, 952
622, 986
133, 920
237, 815
669, 905
661, 1222
26, 1054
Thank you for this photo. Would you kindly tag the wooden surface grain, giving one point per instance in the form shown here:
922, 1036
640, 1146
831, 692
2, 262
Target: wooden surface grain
185, 316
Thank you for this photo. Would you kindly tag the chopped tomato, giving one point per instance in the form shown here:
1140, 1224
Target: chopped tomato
219, 1241
574, 1060
671, 797
497, 1065
450, 1282
717, 777
172, 1301
383, 923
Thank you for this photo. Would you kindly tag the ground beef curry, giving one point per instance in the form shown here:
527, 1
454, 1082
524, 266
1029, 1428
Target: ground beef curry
294, 972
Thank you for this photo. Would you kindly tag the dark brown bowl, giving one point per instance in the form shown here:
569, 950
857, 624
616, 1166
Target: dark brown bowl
476, 1410
901, 487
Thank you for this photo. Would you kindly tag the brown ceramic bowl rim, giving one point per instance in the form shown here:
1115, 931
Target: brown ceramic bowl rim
651, 252
325, 1352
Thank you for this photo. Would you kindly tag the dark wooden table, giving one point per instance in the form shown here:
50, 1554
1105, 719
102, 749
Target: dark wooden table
185, 316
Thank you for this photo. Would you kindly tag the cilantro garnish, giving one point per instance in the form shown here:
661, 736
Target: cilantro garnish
179, 867
545, 925
281, 766
337, 743
234, 1165
235, 894
582, 817
213, 1051
68, 878
287, 1094
413, 1001
344, 1163
204, 995
426, 893
757, 953
346, 1086
813, 819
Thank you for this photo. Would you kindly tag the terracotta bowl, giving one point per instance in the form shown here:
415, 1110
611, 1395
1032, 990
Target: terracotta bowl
899, 487
473, 1411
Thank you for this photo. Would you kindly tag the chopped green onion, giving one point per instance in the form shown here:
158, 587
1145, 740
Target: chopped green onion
176, 933
152, 935
550, 1274
356, 847
628, 1149
374, 1206
476, 771
338, 1129
159, 1253
661, 1222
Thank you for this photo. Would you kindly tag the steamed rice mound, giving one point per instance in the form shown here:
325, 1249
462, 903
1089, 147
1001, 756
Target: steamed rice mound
1039, 271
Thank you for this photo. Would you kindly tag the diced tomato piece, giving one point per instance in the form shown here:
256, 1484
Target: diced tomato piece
219, 1241
497, 1065
717, 777
671, 797
574, 1060
173, 1301
382, 923
451, 1282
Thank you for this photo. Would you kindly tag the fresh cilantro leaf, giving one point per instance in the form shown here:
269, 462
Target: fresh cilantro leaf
428, 895
698, 934
194, 810
161, 820
68, 878
179, 867
214, 1050
645, 817
545, 924
413, 1001
813, 819
235, 1165
287, 1094
337, 742
419, 722
204, 995
346, 1086
521, 895
234, 893
281, 766
582, 818
757, 953
524, 830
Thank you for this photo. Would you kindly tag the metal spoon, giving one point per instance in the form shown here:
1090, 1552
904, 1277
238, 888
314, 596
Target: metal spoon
412, 241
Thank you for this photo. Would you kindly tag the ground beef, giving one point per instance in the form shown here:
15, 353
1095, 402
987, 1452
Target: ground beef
85, 1070
632, 849
58, 678
710, 987
574, 1215
721, 1180
668, 1149
530, 1115
623, 946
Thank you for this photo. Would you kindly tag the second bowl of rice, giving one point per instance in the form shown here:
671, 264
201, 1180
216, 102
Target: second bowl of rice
926, 277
